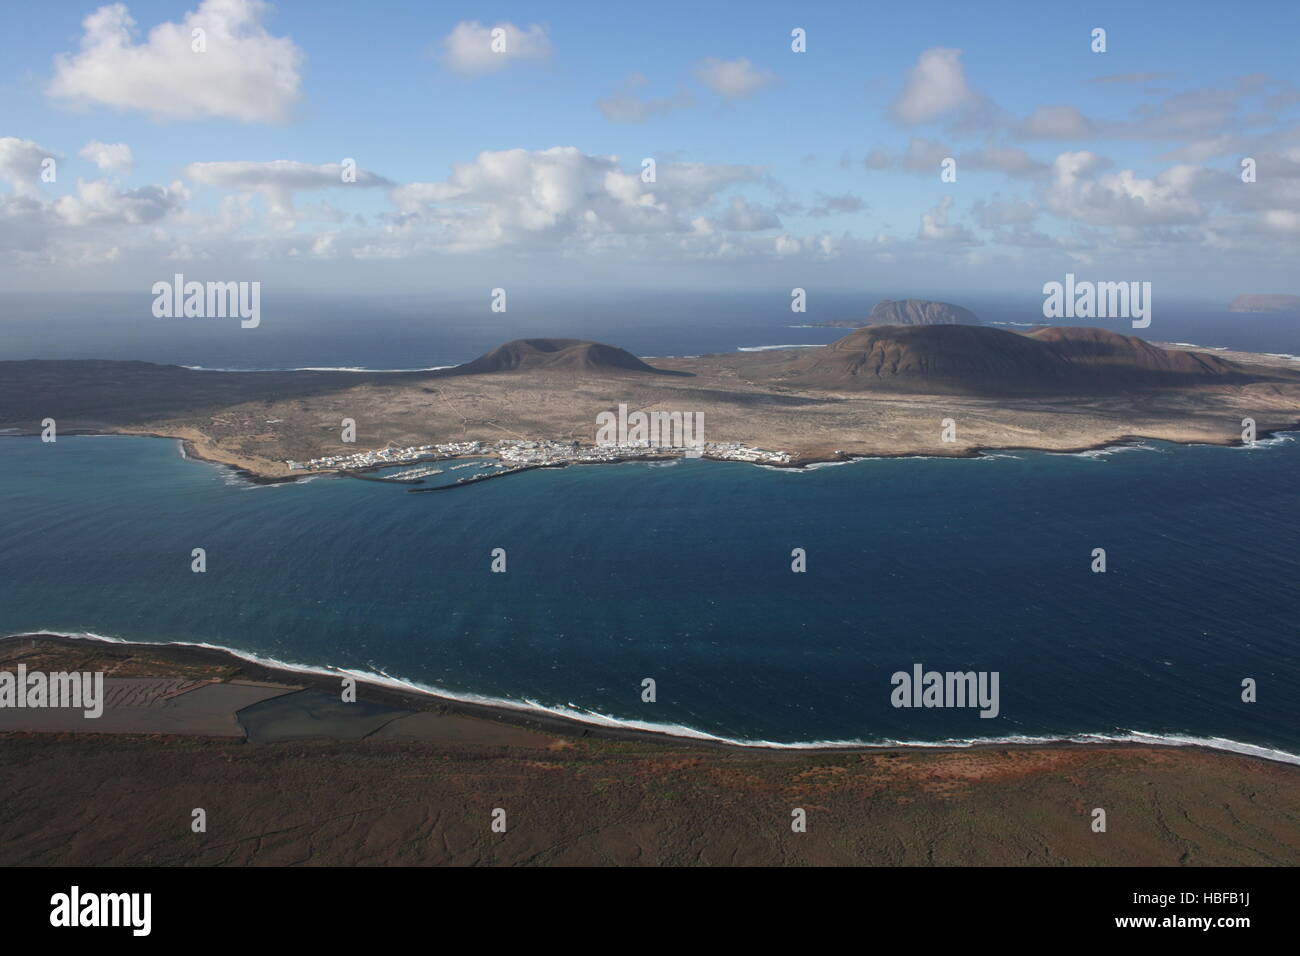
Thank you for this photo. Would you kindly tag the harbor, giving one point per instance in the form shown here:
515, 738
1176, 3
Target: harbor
511, 455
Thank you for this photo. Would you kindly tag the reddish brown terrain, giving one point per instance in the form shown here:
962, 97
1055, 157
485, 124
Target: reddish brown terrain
295, 778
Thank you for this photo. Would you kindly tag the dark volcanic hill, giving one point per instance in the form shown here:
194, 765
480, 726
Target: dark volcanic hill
949, 359
566, 355
920, 312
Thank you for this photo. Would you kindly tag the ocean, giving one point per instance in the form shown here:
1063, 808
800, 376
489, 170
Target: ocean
404, 332
681, 573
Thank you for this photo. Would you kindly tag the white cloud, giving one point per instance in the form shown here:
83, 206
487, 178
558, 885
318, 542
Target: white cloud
878, 158
744, 216
624, 106
187, 253
245, 73
1282, 220
99, 202
1056, 122
1004, 159
1069, 168
473, 48
924, 155
1000, 212
519, 196
935, 225
20, 164
1206, 149
1121, 199
843, 204
96, 223
733, 79
935, 86
686, 186
277, 180
545, 205
110, 157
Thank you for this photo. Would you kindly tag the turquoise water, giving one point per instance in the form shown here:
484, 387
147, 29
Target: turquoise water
681, 573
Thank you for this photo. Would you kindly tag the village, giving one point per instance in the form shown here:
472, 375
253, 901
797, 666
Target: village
516, 453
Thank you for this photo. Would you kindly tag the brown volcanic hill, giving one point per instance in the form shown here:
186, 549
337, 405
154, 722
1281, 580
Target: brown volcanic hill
920, 312
1106, 352
566, 355
947, 359
924, 357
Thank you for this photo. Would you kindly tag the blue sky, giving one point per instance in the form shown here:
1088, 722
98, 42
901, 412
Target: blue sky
816, 168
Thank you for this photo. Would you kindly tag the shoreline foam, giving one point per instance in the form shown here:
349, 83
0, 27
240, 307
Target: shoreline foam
585, 722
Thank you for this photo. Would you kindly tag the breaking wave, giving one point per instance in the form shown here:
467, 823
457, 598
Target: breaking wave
573, 712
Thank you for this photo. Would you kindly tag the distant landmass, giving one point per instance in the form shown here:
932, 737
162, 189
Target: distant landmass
907, 312
879, 390
920, 312
1265, 303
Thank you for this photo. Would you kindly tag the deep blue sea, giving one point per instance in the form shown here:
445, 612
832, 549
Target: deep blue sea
681, 573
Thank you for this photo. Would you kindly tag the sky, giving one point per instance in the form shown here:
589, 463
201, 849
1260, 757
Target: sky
132, 147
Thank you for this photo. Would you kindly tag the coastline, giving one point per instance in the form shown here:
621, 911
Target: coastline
560, 720
410, 697
189, 450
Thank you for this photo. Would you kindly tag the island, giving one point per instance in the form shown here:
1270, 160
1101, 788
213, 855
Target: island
1265, 303
906, 312
882, 390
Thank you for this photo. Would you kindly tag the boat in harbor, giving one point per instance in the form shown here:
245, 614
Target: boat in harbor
410, 473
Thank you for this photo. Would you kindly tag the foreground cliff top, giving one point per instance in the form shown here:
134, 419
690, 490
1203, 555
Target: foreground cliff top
422, 795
